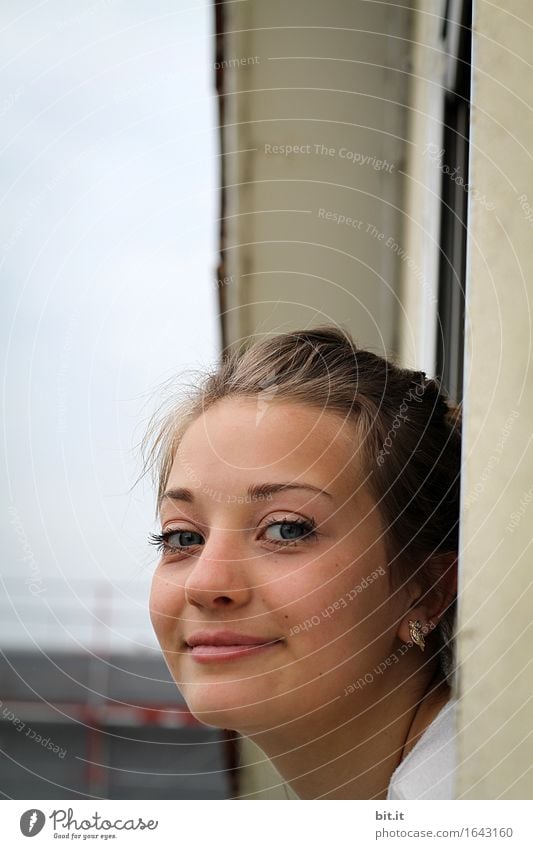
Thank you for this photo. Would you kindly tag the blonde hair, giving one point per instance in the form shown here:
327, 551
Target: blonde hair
409, 439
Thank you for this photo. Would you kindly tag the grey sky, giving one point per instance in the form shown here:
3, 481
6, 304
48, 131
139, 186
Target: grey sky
108, 253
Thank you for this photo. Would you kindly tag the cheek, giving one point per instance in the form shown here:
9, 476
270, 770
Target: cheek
306, 595
349, 612
166, 604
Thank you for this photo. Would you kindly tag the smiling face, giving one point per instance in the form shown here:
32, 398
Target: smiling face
303, 568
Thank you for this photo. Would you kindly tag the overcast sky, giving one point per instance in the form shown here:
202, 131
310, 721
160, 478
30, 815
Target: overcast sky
108, 251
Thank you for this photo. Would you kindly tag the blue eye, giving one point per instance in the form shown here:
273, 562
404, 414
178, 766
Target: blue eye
292, 530
180, 539
174, 540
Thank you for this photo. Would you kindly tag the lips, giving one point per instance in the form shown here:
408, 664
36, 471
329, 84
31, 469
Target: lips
226, 638
211, 646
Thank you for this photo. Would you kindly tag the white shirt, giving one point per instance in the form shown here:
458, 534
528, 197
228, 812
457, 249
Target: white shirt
428, 771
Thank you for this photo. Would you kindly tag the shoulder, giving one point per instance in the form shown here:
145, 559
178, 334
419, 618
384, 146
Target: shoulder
428, 771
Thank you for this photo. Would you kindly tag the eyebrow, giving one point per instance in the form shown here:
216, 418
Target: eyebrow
255, 491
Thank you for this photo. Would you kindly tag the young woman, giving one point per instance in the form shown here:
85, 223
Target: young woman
308, 494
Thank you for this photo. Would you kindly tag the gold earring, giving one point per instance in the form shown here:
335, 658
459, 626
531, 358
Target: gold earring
417, 635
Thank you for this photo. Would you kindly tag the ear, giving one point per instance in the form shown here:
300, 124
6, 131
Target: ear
430, 607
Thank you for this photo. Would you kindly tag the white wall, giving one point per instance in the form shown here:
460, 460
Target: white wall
417, 316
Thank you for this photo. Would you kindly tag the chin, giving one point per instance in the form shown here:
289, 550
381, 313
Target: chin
226, 705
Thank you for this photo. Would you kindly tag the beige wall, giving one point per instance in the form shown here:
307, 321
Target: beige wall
496, 588
289, 266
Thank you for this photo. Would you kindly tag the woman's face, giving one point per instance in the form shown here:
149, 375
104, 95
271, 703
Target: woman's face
301, 568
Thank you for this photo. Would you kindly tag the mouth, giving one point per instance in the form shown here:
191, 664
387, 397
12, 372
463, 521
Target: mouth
211, 653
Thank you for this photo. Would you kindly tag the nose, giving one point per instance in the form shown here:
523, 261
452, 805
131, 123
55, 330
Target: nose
220, 577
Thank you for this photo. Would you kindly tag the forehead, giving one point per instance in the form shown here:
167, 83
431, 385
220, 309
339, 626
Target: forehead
237, 441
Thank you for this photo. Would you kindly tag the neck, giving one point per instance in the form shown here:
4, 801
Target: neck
350, 748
